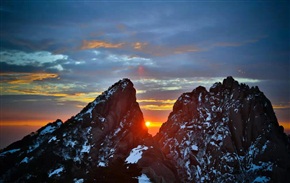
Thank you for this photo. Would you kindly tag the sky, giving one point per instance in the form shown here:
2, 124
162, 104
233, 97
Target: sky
56, 56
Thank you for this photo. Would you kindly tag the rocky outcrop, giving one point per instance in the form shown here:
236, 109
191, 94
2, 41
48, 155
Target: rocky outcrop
95, 141
227, 134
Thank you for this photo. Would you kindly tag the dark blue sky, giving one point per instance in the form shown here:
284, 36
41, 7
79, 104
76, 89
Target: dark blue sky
56, 56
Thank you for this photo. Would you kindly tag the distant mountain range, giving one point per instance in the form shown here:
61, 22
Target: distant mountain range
227, 134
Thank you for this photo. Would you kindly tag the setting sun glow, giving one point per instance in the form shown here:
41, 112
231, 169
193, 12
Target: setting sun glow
148, 123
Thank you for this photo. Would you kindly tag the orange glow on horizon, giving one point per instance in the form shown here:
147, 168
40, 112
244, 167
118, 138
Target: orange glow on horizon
153, 127
286, 125
39, 123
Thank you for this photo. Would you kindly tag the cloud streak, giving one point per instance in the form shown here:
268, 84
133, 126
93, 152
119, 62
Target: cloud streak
37, 58
281, 106
140, 47
94, 44
25, 78
238, 44
156, 105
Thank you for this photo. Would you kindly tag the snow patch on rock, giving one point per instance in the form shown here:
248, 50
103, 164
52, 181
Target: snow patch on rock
136, 154
56, 171
143, 179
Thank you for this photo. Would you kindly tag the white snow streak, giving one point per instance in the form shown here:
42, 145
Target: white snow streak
136, 154
143, 179
56, 172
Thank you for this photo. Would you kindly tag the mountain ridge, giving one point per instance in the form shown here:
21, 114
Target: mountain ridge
231, 125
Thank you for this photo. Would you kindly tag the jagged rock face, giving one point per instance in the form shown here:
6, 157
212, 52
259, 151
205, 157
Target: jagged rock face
101, 135
229, 134
155, 165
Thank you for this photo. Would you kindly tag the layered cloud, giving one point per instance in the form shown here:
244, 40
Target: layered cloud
140, 47
16, 60
282, 106
238, 43
156, 105
37, 58
25, 78
100, 44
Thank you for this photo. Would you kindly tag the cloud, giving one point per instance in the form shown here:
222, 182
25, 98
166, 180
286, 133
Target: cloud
43, 84
99, 44
186, 49
281, 106
33, 59
141, 47
157, 107
30, 44
184, 83
237, 44
24, 58
156, 104
158, 50
25, 78
154, 101
83, 98
129, 60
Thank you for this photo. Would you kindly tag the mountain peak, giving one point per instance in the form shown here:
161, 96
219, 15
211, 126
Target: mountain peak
122, 94
230, 83
124, 83
227, 134
85, 146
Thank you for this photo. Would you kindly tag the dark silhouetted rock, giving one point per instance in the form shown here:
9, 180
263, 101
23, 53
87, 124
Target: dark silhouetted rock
95, 141
229, 134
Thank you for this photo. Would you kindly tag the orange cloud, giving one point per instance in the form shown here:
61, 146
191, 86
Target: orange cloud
143, 47
25, 78
139, 45
185, 49
100, 44
281, 106
23, 84
80, 97
46, 90
157, 50
156, 100
156, 105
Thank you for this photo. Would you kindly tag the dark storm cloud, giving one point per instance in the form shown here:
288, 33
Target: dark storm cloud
4, 67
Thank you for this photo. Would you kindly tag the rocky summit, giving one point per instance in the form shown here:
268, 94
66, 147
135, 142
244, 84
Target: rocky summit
227, 134
89, 147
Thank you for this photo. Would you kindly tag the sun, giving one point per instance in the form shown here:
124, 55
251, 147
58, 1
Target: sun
148, 123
